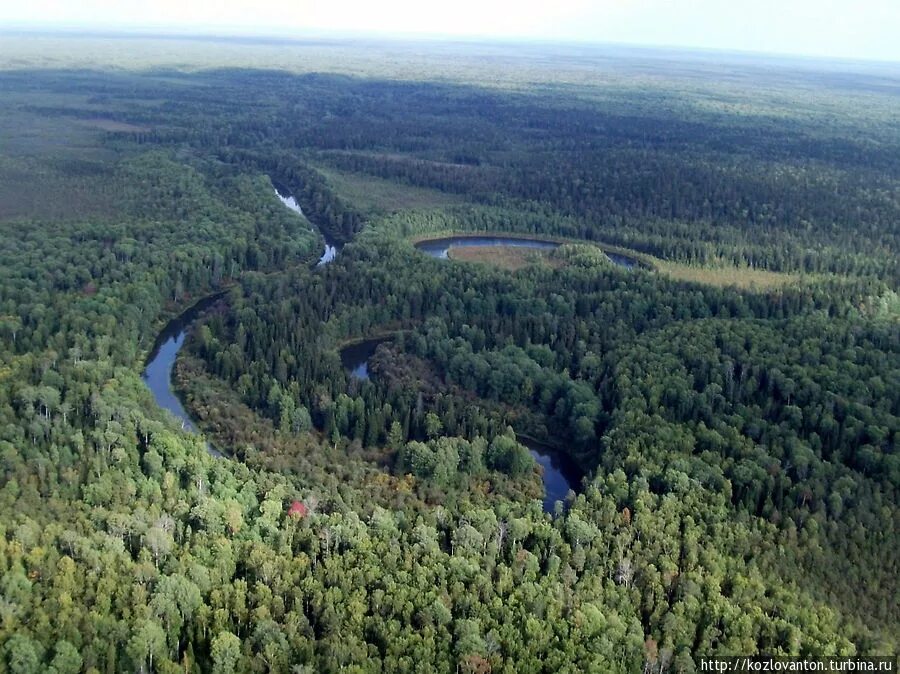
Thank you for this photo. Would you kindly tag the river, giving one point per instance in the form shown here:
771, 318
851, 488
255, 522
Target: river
332, 248
161, 362
558, 472
355, 357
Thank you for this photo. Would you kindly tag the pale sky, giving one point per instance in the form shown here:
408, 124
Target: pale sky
867, 29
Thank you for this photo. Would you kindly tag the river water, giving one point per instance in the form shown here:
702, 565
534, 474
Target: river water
161, 363
355, 357
331, 247
559, 473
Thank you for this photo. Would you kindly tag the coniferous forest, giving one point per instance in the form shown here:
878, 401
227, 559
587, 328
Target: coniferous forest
669, 431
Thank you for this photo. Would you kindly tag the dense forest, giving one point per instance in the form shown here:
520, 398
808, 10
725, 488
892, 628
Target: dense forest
731, 402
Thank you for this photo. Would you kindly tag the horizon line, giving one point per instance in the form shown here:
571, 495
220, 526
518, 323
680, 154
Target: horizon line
298, 35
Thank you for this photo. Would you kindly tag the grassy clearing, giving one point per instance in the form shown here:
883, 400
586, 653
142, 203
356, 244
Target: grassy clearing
112, 125
744, 278
378, 197
641, 259
505, 257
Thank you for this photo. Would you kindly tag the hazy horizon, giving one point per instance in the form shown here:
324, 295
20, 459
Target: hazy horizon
821, 29
225, 35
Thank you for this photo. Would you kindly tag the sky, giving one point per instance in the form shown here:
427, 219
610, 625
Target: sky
863, 29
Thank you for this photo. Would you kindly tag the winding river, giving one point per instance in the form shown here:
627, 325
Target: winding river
558, 472
161, 362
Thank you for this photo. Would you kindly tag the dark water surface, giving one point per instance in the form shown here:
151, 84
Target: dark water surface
355, 357
161, 362
559, 473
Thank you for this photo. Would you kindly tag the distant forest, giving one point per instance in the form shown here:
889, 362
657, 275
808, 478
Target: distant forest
732, 401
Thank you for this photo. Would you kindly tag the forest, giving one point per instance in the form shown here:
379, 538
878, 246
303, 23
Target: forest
727, 403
